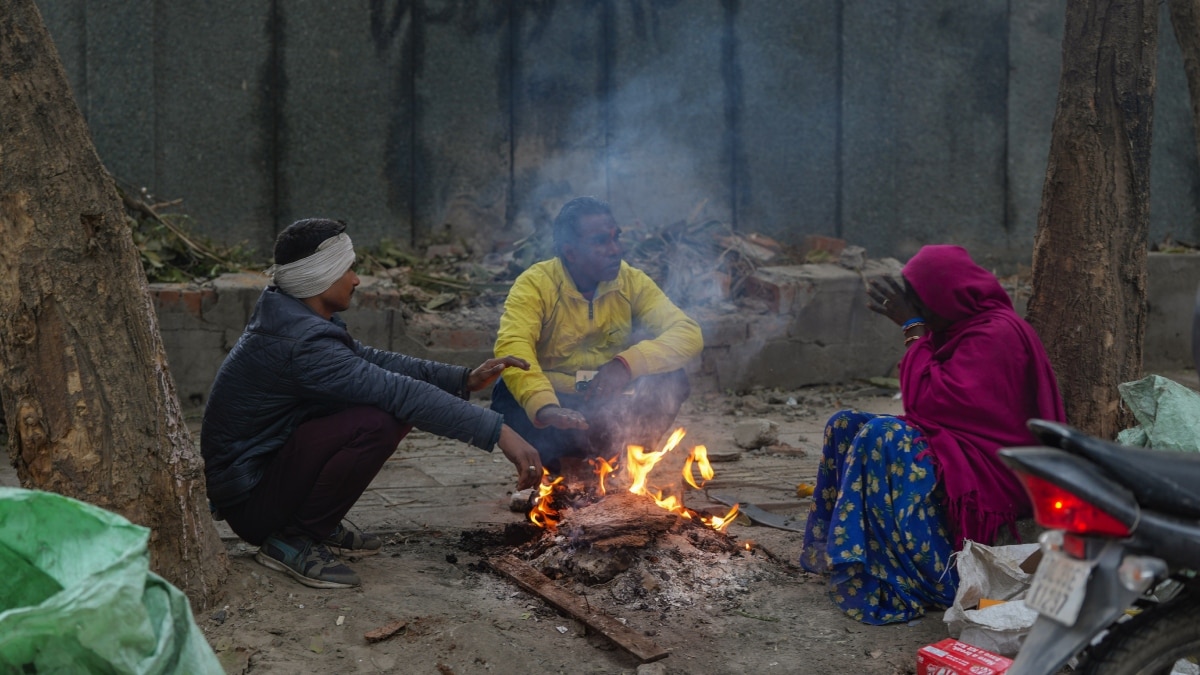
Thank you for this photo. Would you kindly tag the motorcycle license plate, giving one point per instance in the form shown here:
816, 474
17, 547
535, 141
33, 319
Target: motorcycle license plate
1058, 587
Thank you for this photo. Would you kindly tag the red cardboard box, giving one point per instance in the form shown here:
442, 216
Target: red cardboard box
951, 657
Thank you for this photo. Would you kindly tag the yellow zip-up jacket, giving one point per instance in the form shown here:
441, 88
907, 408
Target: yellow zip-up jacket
549, 323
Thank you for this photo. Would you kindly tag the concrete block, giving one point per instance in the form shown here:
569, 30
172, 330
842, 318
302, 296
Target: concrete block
755, 433
721, 329
460, 338
777, 286
729, 365
236, 296
789, 289
790, 363
370, 326
194, 354
823, 332
836, 309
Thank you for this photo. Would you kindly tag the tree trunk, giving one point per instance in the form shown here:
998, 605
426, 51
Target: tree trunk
91, 407
1185, 21
1089, 257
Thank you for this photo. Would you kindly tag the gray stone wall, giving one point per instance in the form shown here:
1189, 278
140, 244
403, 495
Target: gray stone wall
891, 124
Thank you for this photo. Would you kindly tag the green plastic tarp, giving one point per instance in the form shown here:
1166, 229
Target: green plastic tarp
1167, 412
77, 594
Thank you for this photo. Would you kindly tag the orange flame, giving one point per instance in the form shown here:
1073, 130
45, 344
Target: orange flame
603, 468
637, 469
719, 523
699, 456
641, 462
543, 515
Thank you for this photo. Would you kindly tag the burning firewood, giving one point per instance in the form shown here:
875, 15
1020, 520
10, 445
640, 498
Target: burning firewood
620, 519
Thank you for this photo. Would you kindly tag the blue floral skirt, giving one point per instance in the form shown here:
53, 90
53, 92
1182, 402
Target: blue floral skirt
877, 524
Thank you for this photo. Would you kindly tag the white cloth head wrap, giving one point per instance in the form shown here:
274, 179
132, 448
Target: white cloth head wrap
313, 275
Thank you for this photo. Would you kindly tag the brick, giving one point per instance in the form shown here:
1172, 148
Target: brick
166, 297
817, 243
723, 330
192, 300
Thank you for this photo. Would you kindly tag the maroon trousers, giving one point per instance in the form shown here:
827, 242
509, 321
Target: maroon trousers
316, 476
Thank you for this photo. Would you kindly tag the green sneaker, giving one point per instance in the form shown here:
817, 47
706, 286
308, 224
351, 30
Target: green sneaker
347, 539
309, 562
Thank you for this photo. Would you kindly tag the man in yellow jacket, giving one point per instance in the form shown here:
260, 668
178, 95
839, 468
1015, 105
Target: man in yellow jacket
587, 314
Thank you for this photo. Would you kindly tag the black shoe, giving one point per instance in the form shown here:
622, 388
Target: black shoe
309, 562
347, 539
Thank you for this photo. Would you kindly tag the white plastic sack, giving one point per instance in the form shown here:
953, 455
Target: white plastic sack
992, 572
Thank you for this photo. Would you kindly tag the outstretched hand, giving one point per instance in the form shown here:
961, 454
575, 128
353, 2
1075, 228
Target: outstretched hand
889, 299
523, 456
561, 418
491, 369
610, 380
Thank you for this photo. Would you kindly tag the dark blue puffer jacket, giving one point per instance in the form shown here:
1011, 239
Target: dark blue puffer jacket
291, 365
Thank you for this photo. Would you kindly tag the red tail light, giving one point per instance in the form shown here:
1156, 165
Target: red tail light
1057, 509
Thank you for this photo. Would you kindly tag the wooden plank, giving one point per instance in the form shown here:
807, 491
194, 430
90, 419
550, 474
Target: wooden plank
540, 585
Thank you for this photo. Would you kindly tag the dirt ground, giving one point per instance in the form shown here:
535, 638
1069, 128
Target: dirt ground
442, 508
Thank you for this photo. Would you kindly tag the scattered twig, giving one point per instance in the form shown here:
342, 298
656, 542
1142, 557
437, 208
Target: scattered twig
147, 210
384, 632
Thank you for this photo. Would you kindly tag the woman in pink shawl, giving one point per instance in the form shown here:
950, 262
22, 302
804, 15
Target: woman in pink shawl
896, 496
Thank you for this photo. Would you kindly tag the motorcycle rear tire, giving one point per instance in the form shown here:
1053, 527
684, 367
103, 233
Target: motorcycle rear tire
1151, 642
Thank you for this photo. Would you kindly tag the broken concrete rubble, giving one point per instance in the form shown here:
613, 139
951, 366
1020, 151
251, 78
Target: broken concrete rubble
756, 433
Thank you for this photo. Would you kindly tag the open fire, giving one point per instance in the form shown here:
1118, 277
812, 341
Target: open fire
635, 471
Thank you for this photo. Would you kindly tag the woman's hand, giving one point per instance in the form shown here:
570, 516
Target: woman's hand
561, 418
523, 456
889, 299
487, 373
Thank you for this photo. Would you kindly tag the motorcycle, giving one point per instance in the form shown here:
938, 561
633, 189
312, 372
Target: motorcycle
1116, 585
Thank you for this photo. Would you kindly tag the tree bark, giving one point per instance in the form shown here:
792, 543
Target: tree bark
1089, 258
90, 404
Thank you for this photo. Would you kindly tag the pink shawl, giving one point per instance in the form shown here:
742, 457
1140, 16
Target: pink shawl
972, 387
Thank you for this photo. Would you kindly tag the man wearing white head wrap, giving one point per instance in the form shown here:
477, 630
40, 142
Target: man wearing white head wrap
302, 416
311, 276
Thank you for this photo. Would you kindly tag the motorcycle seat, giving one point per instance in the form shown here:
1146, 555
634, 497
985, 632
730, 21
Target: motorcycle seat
1163, 481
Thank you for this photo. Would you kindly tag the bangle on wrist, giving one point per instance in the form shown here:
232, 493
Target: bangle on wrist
911, 339
913, 323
